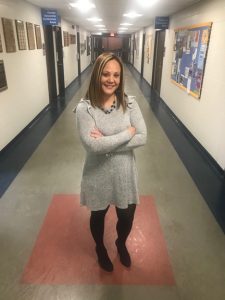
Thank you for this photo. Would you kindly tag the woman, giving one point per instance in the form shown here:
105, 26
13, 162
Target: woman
110, 126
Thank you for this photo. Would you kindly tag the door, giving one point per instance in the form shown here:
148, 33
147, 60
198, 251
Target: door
125, 49
54, 61
78, 53
50, 62
158, 60
143, 55
59, 61
92, 49
133, 48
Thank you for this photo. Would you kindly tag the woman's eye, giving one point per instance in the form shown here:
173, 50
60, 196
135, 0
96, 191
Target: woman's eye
109, 75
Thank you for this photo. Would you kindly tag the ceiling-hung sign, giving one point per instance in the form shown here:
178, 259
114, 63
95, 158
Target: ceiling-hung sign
49, 17
161, 22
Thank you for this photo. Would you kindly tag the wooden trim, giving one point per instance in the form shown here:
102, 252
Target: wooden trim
185, 89
194, 26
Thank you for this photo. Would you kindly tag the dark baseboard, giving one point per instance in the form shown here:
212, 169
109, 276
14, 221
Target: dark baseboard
208, 176
18, 151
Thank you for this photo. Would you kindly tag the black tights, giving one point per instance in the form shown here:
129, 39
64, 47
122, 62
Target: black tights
123, 226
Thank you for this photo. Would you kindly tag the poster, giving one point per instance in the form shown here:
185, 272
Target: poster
189, 57
148, 48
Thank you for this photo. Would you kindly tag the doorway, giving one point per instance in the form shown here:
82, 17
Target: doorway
59, 61
78, 53
54, 62
143, 55
158, 60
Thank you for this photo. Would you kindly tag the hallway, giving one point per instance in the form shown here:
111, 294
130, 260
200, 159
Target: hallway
195, 243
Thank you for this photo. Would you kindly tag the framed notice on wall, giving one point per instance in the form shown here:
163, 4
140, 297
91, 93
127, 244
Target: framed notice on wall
82, 47
1, 50
30, 35
189, 57
66, 38
38, 36
148, 48
3, 82
72, 39
136, 45
21, 37
8, 31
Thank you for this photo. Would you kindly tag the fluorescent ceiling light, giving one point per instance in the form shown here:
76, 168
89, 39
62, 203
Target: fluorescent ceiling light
132, 15
99, 25
83, 5
147, 3
94, 19
126, 24
122, 28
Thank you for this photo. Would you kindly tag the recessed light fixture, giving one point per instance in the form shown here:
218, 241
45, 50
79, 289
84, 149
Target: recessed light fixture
122, 28
126, 24
132, 15
83, 5
99, 25
94, 19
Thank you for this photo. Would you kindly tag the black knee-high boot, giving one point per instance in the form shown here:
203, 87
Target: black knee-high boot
123, 227
97, 222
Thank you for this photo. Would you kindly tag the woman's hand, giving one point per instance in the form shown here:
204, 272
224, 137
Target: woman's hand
132, 130
96, 133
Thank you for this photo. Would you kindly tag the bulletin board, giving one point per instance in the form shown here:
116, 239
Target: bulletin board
189, 57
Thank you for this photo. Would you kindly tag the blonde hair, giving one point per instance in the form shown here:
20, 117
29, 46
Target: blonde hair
94, 91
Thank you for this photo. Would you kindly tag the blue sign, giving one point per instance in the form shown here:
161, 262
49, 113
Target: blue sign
49, 17
161, 22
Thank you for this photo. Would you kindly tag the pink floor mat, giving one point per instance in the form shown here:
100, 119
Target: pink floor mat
64, 252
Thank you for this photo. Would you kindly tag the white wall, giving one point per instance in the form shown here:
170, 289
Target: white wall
69, 55
205, 118
84, 59
26, 73
138, 53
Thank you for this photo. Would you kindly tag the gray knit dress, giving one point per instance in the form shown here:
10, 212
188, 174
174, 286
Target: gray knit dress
109, 173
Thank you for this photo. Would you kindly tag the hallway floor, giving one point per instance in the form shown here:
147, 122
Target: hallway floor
175, 233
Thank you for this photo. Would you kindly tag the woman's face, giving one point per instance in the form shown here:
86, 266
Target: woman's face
110, 78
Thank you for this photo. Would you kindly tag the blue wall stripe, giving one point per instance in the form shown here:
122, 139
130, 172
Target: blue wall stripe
208, 176
18, 151
206, 173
